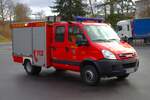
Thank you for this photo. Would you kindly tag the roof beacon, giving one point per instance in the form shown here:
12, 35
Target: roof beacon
84, 19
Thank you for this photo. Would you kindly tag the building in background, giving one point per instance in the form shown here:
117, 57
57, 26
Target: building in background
142, 8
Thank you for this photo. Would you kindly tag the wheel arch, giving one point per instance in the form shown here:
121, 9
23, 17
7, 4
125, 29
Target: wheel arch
26, 59
90, 62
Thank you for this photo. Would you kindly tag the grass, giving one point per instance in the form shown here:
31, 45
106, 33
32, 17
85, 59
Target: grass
3, 39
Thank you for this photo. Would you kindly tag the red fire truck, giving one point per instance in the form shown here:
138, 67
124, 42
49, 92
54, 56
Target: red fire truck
89, 47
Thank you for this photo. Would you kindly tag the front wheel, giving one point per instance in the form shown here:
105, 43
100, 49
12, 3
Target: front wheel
30, 69
90, 75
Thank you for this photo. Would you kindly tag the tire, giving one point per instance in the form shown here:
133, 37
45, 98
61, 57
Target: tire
122, 77
145, 40
90, 75
30, 69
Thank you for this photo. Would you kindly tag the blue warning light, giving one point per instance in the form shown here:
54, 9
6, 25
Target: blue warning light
84, 19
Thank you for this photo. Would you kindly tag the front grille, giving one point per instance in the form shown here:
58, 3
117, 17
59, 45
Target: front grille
127, 55
130, 65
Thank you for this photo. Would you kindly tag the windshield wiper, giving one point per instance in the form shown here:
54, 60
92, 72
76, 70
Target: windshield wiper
105, 40
113, 39
102, 40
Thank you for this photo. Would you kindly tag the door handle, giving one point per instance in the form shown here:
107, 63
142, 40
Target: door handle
67, 49
53, 48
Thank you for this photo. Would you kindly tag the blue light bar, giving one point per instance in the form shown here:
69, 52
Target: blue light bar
82, 19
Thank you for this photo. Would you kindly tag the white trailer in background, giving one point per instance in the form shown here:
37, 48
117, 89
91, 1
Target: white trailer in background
124, 29
134, 29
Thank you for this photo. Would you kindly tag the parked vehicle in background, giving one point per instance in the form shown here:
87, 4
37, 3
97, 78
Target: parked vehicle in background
89, 47
134, 29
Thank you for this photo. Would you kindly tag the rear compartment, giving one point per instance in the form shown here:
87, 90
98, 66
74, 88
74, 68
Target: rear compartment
29, 42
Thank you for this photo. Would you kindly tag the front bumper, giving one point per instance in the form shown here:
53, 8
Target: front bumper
117, 67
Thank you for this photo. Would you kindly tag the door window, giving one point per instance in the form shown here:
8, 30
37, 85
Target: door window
59, 34
119, 28
74, 33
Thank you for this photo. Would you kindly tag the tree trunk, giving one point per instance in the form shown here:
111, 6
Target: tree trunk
105, 11
2, 10
91, 7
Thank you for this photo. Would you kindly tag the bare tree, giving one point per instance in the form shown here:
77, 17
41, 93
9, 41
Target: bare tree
126, 6
123, 7
22, 12
91, 7
5, 9
41, 14
143, 9
145, 13
11, 10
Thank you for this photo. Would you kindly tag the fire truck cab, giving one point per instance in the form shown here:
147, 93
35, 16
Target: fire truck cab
91, 48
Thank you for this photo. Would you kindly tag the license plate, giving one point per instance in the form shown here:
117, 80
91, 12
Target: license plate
130, 70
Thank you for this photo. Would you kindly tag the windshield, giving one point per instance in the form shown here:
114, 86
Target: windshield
101, 33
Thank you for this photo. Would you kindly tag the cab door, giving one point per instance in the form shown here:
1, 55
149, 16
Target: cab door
58, 46
74, 53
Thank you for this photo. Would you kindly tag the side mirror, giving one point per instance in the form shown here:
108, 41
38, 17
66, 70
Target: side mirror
83, 42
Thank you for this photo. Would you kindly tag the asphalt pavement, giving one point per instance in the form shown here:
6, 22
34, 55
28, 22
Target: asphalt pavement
49, 85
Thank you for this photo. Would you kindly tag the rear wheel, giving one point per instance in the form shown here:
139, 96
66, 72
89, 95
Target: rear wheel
122, 77
89, 75
30, 69
147, 40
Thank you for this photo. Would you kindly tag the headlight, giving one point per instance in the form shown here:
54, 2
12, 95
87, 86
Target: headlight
108, 55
